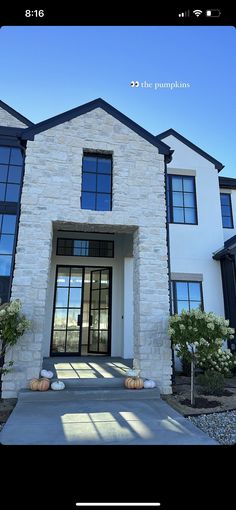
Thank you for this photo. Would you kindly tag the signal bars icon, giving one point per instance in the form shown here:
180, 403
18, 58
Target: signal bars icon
184, 14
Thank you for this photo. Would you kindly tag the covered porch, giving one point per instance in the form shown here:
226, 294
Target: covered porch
73, 370
227, 258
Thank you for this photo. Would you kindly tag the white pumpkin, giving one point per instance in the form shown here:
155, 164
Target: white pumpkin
58, 385
46, 373
132, 372
149, 384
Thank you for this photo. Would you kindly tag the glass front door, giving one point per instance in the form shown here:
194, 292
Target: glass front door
81, 316
99, 312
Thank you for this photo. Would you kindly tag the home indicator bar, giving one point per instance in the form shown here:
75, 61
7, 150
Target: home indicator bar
119, 504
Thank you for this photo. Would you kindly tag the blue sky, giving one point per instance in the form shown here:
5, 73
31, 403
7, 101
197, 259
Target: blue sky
48, 70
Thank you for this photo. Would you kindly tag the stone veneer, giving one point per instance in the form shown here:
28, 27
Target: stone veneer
8, 120
51, 193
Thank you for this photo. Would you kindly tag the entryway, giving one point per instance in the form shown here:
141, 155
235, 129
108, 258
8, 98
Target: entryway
74, 372
81, 323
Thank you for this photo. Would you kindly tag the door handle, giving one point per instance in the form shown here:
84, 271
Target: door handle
90, 320
79, 320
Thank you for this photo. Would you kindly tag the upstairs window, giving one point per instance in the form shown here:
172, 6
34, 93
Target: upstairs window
7, 238
181, 199
226, 210
11, 162
96, 182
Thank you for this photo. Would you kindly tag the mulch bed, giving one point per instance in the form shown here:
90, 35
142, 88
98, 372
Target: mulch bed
218, 403
6, 407
201, 403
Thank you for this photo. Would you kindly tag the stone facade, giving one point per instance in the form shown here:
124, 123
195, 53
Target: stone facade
51, 193
8, 120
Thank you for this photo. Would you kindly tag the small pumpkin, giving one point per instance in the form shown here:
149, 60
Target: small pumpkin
58, 385
149, 384
46, 373
133, 372
33, 384
134, 383
43, 384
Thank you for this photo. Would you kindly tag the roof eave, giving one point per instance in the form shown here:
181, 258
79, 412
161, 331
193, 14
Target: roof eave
218, 165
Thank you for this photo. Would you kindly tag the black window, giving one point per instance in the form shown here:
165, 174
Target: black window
85, 247
11, 162
7, 237
181, 199
96, 182
186, 296
226, 210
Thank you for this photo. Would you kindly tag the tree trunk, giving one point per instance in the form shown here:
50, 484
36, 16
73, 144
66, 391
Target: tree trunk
192, 383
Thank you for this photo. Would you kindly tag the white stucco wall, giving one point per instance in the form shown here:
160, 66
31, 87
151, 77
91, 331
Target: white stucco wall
128, 311
192, 246
8, 120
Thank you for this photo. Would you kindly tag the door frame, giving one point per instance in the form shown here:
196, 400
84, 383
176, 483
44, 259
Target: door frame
78, 353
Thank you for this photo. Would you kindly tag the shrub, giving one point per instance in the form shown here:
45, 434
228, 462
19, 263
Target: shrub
13, 324
222, 361
211, 382
186, 367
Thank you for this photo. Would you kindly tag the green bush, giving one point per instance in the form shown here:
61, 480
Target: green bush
211, 382
186, 367
13, 324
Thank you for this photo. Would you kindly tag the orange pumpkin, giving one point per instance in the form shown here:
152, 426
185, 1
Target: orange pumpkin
134, 383
33, 384
43, 384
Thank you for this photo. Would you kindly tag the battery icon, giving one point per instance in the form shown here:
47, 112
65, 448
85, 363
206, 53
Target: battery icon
213, 13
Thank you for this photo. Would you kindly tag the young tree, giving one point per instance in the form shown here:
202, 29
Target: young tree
198, 338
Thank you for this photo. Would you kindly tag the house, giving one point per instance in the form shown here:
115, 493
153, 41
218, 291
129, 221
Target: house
86, 246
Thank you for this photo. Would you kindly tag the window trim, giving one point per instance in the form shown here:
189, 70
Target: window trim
174, 291
97, 155
231, 210
170, 193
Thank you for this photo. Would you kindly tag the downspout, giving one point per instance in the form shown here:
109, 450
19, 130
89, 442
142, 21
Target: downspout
166, 161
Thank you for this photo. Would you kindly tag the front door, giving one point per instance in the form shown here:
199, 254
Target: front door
99, 312
81, 315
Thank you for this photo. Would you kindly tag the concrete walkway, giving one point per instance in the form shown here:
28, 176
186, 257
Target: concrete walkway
66, 418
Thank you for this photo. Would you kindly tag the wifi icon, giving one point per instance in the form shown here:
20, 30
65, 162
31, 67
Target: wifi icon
197, 12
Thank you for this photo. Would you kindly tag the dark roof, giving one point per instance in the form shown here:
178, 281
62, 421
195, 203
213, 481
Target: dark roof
228, 245
230, 242
15, 114
192, 146
88, 107
227, 182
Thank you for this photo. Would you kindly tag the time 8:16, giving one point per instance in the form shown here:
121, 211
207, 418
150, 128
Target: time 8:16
35, 14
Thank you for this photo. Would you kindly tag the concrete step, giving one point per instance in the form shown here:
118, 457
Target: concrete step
84, 393
101, 382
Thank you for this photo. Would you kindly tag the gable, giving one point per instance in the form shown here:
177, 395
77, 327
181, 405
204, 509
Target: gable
171, 132
11, 118
88, 107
